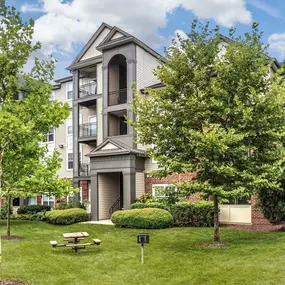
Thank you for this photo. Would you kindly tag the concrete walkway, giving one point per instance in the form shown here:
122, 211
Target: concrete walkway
101, 222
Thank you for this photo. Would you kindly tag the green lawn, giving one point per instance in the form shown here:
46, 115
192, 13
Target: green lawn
174, 256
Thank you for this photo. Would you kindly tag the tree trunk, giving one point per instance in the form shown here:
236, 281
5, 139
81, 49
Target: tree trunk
216, 219
9, 217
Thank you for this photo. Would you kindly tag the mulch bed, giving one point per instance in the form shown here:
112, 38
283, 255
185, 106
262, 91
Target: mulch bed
13, 282
10, 238
262, 228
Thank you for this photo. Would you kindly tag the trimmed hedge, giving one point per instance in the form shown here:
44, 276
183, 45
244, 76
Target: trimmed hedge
143, 219
139, 205
67, 217
193, 214
31, 217
32, 209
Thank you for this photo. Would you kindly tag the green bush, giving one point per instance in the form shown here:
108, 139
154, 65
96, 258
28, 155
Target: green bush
67, 217
63, 205
143, 219
139, 205
4, 211
32, 209
146, 198
30, 217
193, 214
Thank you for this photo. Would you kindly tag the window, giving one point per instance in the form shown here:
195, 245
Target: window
69, 126
70, 161
32, 201
50, 135
48, 200
158, 190
70, 91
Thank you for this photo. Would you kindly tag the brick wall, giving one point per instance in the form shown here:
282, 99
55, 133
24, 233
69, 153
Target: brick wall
84, 185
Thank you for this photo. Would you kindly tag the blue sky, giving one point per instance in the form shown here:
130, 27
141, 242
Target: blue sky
64, 26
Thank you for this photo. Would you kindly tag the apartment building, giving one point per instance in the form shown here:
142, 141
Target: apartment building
97, 146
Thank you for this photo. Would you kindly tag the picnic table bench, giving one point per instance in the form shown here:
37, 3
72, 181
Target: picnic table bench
73, 241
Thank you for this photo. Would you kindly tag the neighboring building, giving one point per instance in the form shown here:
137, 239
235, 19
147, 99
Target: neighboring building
97, 146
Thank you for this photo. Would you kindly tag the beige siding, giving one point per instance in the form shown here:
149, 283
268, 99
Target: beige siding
61, 133
235, 214
146, 63
140, 184
142, 147
109, 192
117, 35
150, 165
92, 51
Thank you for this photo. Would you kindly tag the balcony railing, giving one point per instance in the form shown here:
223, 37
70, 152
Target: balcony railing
88, 89
118, 97
88, 130
84, 169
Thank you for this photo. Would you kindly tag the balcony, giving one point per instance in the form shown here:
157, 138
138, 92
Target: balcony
87, 133
88, 89
84, 169
118, 97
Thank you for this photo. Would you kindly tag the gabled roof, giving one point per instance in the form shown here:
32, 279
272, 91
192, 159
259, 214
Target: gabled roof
90, 42
114, 147
112, 33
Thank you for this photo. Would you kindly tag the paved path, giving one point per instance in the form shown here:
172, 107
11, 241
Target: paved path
101, 222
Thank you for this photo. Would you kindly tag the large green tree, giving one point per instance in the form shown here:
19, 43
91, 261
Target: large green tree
26, 115
220, 114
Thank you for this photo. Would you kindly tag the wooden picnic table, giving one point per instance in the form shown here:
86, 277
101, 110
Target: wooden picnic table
75, 236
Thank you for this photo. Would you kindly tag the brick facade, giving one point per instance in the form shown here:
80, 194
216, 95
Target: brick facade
84, 186
258, 220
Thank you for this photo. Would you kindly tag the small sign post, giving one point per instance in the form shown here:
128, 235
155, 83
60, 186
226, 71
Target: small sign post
142, 239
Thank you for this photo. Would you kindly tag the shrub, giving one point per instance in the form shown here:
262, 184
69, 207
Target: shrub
30, 217
139, 205
193, 214
67, 217
272, 204
146, 198
4, 211
143, 219
32, 209
63, 205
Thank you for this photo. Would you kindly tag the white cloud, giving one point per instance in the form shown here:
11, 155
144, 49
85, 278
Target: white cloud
277, 43
65, 24
274, 12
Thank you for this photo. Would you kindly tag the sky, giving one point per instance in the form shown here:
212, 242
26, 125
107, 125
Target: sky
64, 26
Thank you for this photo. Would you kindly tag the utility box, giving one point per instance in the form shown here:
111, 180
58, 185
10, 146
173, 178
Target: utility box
143, 238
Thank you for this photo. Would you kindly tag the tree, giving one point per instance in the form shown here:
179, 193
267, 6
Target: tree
26, 115
219, 115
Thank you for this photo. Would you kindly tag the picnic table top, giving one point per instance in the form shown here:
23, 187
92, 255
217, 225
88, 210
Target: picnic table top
76, 235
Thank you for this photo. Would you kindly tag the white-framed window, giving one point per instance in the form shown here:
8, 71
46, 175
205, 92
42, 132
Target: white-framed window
50, 135
69, 126
71, 195
158, 190
48, 200
70, 161
32, 201
69, 93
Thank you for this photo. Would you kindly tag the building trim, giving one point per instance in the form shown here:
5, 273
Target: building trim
85, 63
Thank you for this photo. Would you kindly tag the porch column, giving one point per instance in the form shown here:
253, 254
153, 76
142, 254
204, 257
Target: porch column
75, 124
21, 202
129, 189
94, 197
105, 100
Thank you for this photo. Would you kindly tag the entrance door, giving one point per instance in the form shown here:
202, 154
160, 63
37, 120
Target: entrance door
92, 126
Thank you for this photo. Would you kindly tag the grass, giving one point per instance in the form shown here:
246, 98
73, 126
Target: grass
174, 256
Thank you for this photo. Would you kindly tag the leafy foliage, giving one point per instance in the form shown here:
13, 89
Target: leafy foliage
32, 209
146, 198
139, 205
193, 214
143, 219
63, 205
272, 204
4, 211
26, 115
220, 99
66, 217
